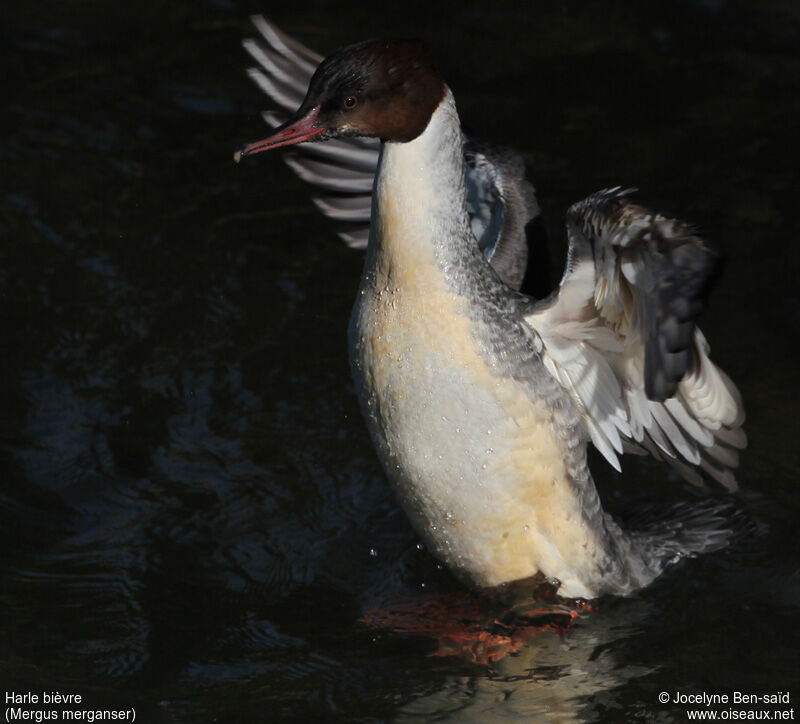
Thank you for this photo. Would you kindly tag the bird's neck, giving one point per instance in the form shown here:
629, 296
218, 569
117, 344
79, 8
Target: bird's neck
419, 213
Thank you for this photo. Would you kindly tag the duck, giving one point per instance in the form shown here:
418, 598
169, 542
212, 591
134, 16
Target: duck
481, 401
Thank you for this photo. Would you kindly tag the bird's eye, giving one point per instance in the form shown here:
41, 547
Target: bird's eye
350, 102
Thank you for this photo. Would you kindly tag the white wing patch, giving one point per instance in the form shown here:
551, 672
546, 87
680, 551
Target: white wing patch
579, 351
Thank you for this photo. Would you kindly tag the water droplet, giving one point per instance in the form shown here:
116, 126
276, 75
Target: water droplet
450, 515
420, 547
373, 552
489, 450
526, 527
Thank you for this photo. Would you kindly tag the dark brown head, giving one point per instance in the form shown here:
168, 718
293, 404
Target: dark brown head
383, 88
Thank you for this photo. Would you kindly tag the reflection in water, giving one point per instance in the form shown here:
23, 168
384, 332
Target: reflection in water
188, 499
553, 678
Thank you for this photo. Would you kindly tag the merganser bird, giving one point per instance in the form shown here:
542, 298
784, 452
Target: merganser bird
480, 400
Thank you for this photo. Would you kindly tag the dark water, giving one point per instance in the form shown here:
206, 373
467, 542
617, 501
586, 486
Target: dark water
193, 519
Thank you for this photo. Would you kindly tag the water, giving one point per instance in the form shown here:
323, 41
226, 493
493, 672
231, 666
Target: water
193, 520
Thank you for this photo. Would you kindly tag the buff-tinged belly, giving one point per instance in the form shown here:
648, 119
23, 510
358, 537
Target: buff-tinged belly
473, 456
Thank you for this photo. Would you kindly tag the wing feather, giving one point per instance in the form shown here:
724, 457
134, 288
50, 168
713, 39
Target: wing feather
286, 45
642, 279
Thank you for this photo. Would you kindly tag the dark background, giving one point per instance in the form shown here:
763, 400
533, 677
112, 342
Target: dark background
191, 515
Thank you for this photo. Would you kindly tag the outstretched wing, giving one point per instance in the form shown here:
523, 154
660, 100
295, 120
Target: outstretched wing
500, 200
621, 336
341, 170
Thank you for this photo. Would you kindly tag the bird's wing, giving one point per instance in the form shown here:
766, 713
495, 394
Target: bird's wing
620, 335
500, 200
341, 170
501, 203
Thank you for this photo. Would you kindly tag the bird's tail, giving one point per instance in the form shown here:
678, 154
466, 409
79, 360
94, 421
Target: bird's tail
668, 533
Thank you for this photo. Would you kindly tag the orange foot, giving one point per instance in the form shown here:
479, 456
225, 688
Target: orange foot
475, 627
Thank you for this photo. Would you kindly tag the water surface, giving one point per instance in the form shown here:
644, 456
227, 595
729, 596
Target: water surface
193, 520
